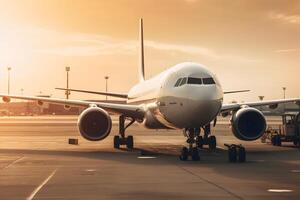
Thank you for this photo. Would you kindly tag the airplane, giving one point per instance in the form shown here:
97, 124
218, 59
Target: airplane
186, 96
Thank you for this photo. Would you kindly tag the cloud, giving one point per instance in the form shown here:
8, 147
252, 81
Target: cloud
45, 41
287, 50
292, 19
191, 1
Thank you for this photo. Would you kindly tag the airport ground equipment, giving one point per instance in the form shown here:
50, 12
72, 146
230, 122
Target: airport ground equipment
288, 131
236, 153
73, 141
121, 139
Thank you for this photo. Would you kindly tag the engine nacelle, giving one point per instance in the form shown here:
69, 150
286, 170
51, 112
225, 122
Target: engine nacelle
94, 124
248, 124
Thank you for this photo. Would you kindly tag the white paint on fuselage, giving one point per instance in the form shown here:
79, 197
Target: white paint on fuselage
179, 107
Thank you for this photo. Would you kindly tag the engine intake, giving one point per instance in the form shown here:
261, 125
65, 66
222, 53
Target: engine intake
248, 124
94, 124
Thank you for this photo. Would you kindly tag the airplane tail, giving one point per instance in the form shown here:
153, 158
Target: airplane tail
142, 66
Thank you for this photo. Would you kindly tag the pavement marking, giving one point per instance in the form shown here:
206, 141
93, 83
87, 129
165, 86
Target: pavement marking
146, 157
90, 170
14, 162
295, 171
36, 190
211, 182
279, 190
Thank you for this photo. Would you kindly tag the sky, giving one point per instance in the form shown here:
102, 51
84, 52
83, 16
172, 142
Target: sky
252, 44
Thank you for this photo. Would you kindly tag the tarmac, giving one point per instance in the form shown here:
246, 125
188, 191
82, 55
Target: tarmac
36, 162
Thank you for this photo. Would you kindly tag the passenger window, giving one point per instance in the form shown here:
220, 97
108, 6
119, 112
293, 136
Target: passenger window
183, 81
194, 81
208, 81
177, 82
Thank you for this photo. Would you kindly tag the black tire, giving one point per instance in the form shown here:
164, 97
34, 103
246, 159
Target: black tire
295, 141
298, 143
273, 140
212, 142
195, 154
184, 154
278, 140
116, 142
129, 142
232, 154
200, 142
242, 154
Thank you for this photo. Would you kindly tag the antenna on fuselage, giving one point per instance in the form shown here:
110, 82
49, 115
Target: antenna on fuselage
142, 64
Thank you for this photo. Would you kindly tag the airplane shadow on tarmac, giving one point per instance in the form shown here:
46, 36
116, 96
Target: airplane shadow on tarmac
258, 161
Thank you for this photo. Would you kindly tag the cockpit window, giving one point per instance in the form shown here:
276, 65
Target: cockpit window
208, 81
177, 82
183, 81
192, 80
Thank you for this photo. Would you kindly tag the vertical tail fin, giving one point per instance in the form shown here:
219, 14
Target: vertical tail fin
141, 67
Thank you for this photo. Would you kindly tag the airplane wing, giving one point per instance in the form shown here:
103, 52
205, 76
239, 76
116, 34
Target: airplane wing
134, 111
235, 91
120, 95
236, 106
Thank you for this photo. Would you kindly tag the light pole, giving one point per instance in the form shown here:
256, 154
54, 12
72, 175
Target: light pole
8, 79
67, 91
284, 89
22, 90
106, 80
261, 97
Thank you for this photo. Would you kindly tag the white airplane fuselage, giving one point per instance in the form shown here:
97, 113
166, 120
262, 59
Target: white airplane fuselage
185, 106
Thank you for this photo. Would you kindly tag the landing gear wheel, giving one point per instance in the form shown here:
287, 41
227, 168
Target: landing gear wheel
184, 154
195, 154
295, 142
232, 154
278, 140
212, 142
242, 154
129, 142
273, 140
200, 142
116, 142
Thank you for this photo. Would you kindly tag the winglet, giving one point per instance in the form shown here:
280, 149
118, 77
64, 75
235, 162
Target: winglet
141, 67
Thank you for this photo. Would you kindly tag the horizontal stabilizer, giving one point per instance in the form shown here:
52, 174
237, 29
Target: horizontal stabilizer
95, 92
236, 91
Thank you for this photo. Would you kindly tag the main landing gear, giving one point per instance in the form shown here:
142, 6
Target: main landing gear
196, 141
121, 139
192, 151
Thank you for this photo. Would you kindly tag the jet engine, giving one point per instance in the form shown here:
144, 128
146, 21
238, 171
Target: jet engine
94, 123
248, 124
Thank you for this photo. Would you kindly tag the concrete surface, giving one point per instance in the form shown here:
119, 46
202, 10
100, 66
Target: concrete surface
36, 162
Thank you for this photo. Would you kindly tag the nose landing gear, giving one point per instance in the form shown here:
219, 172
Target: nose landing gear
121, 139
207, 139
192, 151
196, 141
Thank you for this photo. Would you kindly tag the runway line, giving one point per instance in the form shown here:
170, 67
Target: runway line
36, 190
210, 182
14, 162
